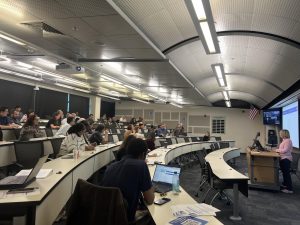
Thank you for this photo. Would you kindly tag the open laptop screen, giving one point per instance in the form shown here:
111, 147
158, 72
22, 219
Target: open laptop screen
164, 173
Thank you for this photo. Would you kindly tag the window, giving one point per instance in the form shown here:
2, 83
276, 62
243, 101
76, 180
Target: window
218, 125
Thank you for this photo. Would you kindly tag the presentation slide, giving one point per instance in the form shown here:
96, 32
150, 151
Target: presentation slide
290, 121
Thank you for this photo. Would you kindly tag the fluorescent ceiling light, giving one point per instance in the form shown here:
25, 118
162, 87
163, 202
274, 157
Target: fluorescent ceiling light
133, 88
48, 73
25, 65
174, 104
21, 75
199, 9
139, 100
225, 94
46, 62
228, 104
73, 88
106, 96
110, 79
218, 69
11, 39
207, 36
201, 14
222, 83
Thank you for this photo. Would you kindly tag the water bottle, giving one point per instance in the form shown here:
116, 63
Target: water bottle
175, 183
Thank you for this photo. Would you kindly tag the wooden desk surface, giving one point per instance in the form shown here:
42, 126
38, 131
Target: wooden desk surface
264, 153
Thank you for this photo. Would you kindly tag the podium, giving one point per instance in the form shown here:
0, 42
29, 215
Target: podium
263, 169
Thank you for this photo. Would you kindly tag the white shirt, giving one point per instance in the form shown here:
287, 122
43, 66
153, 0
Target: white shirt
70, 143
63, 130
64, 121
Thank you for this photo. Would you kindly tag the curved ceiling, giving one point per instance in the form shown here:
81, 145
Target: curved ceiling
258, 41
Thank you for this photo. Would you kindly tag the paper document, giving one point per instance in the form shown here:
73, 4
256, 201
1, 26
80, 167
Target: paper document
194, 210
188, 220
43, 173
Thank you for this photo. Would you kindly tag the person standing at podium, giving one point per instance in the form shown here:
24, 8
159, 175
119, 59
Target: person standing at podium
285, 152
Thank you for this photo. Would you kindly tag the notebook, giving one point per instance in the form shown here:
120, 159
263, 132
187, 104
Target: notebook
162, 178
12, 182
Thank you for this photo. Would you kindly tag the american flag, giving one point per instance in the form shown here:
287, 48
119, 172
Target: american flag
253, 112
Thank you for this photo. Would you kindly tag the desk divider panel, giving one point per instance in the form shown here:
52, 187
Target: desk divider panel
84, 171
102, 159
48, 210
7, 154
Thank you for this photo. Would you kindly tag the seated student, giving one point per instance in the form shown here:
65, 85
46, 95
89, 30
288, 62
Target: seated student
162, 131
25, 116
15, 117
97, 136
179, 130
123, 119
133, 121
30, 129
4, 120
123, 148
90, 120
64, 128
206, 136
55, 122
150, 141
75, 140
19, 109
137, 134
128, 131
132, 176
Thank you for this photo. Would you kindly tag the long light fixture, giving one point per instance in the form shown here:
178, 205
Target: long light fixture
130, 87
226, 96
45, 62
228, 104
73, 88
201, 15
62, 78
174, 104
11, 39
220, 74
25, 65
110, 79
106, 96
139, 100
21, 75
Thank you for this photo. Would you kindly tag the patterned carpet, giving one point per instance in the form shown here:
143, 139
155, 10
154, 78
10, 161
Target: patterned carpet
260, 208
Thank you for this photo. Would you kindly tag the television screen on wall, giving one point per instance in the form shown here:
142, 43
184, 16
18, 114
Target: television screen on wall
272, 117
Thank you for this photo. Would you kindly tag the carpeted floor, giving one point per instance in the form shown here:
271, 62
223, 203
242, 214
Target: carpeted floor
260, 208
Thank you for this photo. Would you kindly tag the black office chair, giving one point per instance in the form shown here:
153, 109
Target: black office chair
110, 138
206, 194
17, 133
49, 132
218, 184
28, 153
121, 137
224, 145
92, 204
294, 164
56, 143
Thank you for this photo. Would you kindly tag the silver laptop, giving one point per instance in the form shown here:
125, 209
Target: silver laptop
162, 178
12, 182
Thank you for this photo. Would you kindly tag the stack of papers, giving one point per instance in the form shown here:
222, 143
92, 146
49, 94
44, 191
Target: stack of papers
194, 210
188, 220
43, 173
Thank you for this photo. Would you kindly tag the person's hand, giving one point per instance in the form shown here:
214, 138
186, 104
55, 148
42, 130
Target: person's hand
89, 148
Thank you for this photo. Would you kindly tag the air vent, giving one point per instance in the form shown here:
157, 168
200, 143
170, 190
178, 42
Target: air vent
46, 29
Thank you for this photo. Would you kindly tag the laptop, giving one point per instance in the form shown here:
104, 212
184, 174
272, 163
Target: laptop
13, 182
162, 178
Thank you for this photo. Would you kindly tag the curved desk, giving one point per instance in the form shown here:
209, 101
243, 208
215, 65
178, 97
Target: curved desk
55, 190
217, 161
223, 171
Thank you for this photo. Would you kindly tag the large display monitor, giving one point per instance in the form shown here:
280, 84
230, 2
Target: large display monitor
290, 121
272, 116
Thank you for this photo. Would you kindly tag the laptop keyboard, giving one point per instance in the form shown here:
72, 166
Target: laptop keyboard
13, 180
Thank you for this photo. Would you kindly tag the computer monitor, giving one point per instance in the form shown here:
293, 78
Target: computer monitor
256, 144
